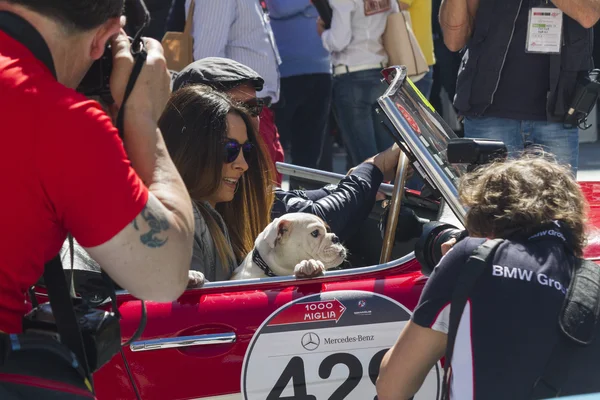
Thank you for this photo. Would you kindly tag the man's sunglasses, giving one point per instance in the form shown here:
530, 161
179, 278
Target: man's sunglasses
254, 106
232, 150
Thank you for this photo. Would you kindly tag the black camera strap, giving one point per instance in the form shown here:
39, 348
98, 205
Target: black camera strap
478, 262
23, 32
64, 314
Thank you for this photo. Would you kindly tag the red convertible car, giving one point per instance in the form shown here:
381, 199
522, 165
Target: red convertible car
305, 339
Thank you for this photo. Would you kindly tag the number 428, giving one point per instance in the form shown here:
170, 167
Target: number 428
294, 372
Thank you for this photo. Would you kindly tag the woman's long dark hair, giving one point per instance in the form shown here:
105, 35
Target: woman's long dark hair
194, 125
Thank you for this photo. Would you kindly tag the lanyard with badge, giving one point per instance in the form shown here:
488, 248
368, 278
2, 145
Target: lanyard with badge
544, 29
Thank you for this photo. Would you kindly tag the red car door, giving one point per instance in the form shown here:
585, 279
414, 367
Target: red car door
196, 347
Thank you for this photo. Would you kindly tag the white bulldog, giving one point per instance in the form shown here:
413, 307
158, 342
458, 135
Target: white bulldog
295, 243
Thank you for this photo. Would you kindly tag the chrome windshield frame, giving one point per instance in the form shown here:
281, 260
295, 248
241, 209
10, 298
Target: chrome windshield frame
398, 91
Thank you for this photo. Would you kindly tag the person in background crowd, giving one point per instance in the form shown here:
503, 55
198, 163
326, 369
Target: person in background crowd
506, 92
159, 11
303, 109
358, 56
222, 162
420, 15
445, 70
176, 16
509, 326
240, 30
69, 171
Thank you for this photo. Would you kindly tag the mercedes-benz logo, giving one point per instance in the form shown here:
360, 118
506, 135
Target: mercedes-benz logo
310, 341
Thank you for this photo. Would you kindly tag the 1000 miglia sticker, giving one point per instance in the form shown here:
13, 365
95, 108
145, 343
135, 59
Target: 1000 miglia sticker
326, 346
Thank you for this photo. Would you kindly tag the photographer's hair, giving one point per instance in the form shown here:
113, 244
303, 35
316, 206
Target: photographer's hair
75, 15
194, 125
520, 195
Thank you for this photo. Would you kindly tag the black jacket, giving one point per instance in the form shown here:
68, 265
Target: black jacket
486, 50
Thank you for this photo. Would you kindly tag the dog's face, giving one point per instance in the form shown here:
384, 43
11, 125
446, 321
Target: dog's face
296, 237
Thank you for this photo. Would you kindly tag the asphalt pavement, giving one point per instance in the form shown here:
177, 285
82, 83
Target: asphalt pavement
589, 162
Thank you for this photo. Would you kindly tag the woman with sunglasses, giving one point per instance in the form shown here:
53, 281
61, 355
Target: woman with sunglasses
214, 145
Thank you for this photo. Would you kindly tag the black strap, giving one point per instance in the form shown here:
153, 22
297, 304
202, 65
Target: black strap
578, 322
478, 262
140, 58
22, 31
63, 311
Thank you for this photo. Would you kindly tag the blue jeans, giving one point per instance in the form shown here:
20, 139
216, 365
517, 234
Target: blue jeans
517, 135
426, 83
354, 98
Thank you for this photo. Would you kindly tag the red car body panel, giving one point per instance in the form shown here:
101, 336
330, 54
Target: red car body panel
592, 193
215, 370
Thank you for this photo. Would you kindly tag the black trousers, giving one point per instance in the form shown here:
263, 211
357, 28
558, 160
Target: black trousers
39, 374
302, 114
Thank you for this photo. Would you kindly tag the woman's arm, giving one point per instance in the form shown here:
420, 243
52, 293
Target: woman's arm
406, 365
339, 36
423, 340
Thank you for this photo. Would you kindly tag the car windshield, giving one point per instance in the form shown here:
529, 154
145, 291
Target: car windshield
423, 135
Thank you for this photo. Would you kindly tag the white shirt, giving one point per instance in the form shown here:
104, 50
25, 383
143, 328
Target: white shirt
239, 30
355, 37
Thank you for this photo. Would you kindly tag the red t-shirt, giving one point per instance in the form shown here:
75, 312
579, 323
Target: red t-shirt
63, 169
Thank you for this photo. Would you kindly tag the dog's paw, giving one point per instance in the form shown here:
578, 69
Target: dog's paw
309, 269
195, 279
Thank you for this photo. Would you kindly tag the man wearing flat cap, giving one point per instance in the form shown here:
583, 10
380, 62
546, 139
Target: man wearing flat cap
242, 84
240, 30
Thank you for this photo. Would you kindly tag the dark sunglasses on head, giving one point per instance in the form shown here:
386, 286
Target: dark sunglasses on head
233, 147
254, 106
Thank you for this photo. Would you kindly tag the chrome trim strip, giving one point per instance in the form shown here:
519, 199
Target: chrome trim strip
321, 176
290, 278
183, 341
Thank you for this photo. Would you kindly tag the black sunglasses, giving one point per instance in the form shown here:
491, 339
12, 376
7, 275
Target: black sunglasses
232, 150
254, 106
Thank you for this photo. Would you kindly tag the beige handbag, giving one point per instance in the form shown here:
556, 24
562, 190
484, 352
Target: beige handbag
179, 46
402, 47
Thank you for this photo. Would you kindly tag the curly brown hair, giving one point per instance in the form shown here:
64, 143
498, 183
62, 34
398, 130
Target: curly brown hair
519, 195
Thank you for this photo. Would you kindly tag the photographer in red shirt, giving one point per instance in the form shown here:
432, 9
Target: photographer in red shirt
64, 169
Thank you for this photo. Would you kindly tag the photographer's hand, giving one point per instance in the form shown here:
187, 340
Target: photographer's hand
151, 256
153, 86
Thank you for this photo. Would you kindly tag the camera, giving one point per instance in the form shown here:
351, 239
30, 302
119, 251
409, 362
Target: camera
97, 80
100, 331
474, 152
584, 99
428, 249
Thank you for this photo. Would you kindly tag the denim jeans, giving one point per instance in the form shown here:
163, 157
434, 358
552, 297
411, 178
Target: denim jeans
553, 138
302, 115
354, 98
426, 83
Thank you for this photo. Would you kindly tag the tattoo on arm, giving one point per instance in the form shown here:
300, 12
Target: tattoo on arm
157, 224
